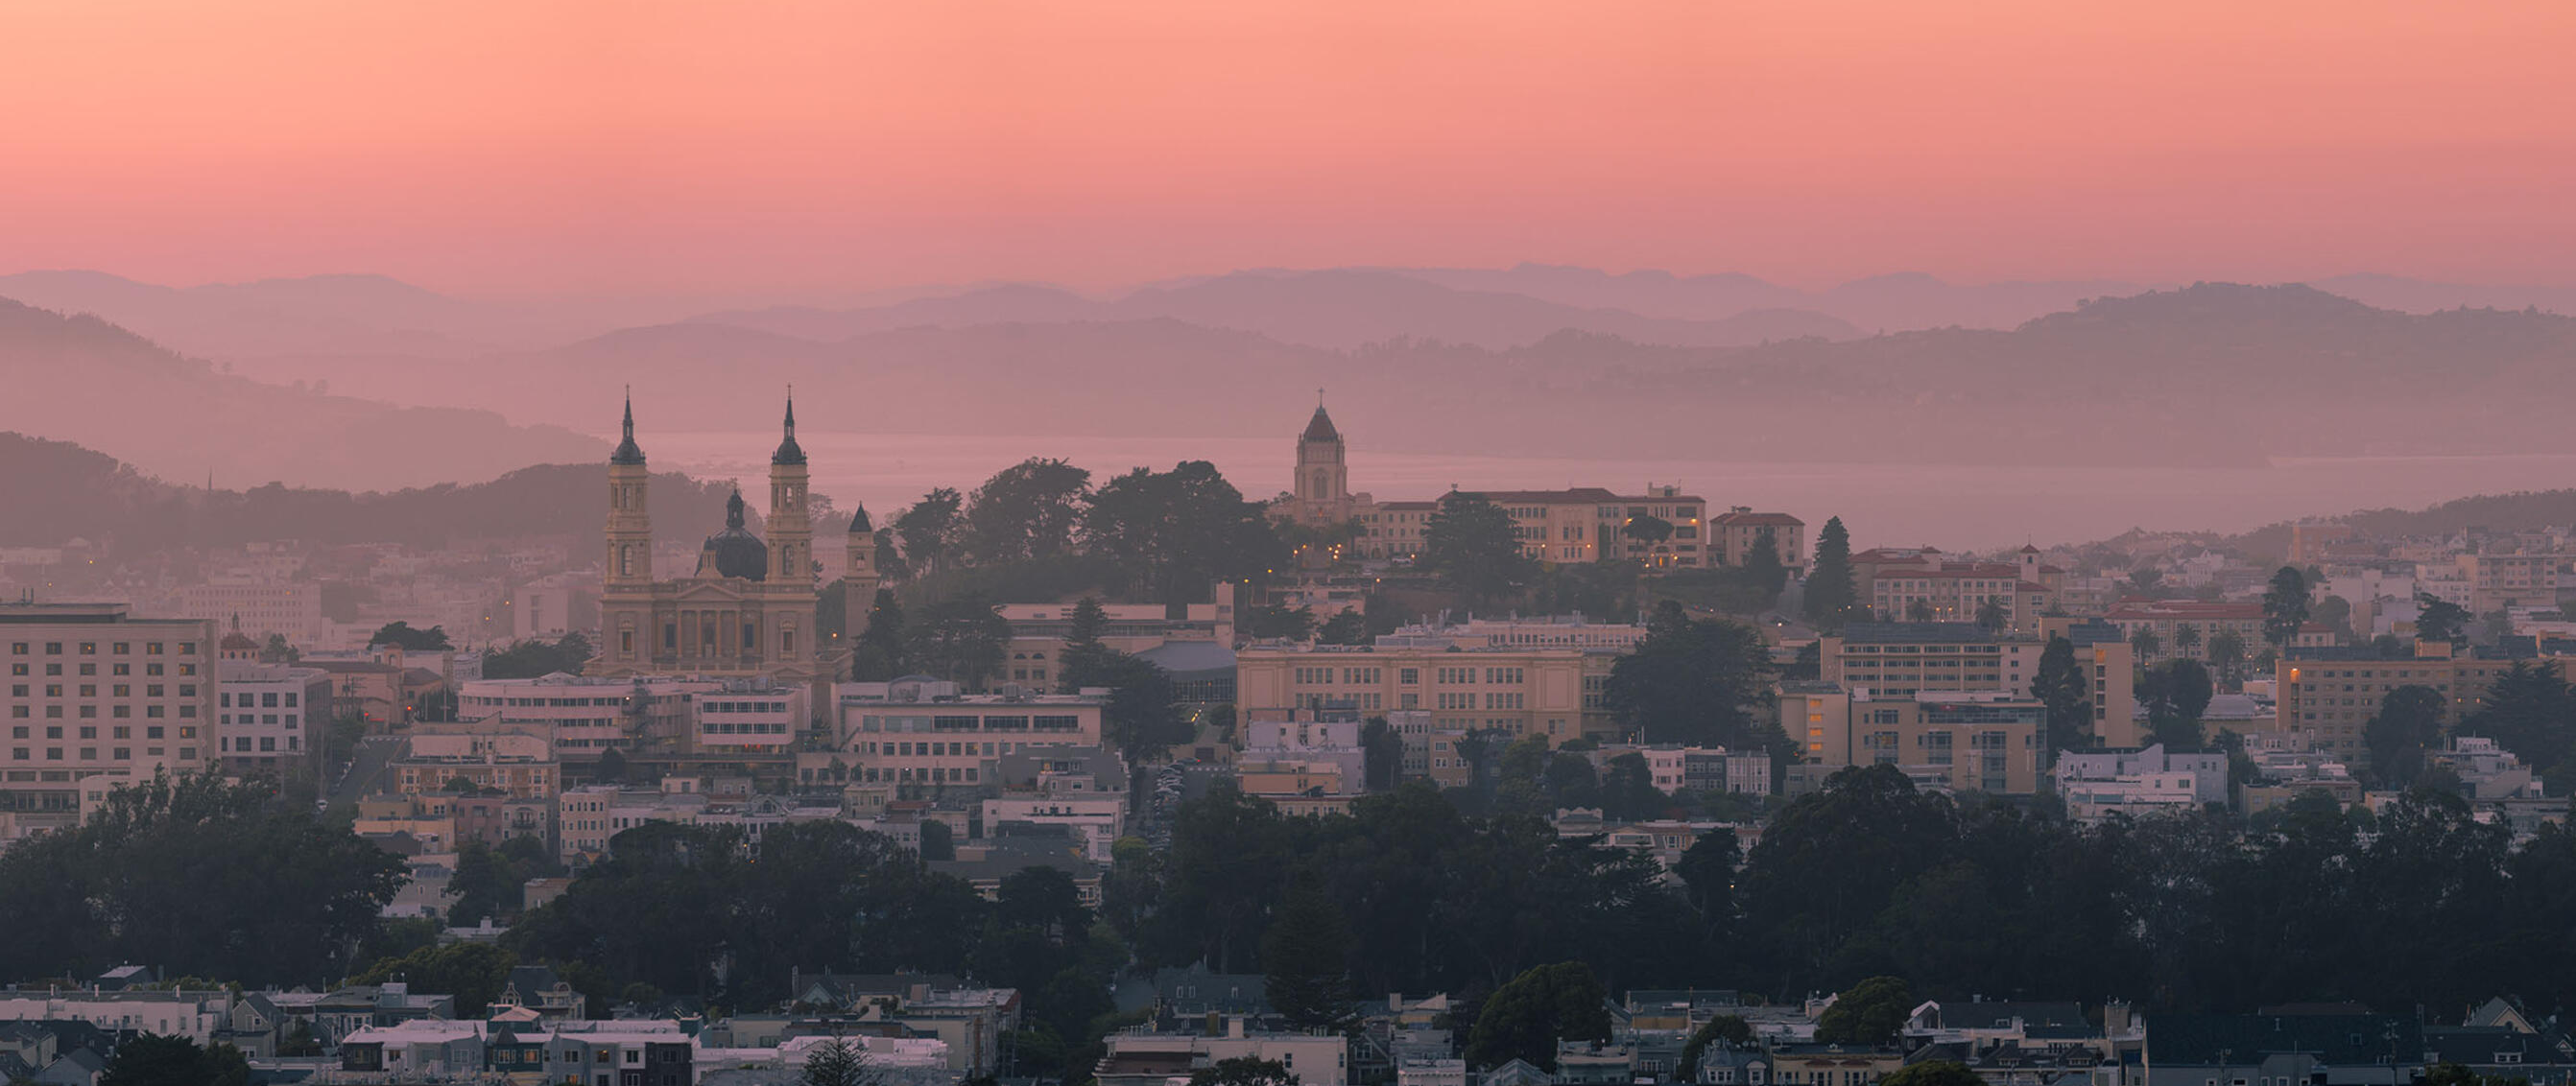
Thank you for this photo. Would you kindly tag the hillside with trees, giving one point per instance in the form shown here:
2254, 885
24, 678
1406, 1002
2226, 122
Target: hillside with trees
57, 491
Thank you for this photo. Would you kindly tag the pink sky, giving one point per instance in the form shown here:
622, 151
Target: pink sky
493, 146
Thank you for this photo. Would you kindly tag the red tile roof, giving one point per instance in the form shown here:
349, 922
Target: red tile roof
1575, 495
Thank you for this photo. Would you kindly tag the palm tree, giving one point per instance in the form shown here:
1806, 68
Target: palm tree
1992, 616
2145, 644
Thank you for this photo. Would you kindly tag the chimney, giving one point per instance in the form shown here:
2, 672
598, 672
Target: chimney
1234, 1027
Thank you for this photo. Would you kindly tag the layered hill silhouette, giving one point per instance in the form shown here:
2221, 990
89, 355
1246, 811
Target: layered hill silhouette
57, 491
2212, 374
1344, 308
82, 379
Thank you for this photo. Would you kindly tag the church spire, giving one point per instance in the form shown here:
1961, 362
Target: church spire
1320, 427
788, 452
627, 451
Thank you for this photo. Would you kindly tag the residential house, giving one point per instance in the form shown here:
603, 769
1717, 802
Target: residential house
2282, 1050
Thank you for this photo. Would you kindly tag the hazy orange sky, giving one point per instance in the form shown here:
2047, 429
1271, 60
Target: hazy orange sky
500, 146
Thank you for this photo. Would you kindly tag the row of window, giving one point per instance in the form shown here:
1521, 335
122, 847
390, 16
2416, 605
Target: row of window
90, 754
115, 690
941, 750
153, 668
965, 723
90, 712
266, 700
90, 731
90, 648
268, 719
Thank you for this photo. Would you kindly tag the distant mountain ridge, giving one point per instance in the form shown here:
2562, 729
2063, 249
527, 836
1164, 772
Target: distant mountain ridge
2208, 375
79, 378
1335, 309
307, 323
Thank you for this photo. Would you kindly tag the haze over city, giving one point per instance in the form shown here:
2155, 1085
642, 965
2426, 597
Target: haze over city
1339, 544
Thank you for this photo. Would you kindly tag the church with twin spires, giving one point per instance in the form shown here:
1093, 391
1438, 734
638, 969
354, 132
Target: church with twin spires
750, 608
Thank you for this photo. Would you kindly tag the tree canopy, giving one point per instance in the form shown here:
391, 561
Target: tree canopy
1030, 510
534, 659
2285, 606
1832, 596
399, 634
1867, 1013
1693, 681
2061, 684
152, 1059
1525, 1018
200, 877
1169, 535
2407, 725
2438, 619
1471, 543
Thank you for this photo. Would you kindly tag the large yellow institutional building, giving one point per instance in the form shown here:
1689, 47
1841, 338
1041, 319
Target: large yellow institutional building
1577, 524
749, 609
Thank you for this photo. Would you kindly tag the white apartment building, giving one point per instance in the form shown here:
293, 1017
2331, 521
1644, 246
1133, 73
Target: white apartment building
271, 718
1096, 819
94, 692
1677, 768
550, 607
752, 716
586, 716
193, 1014
1307, 736
924, 733
264, 604
2099, 783
1143, 1057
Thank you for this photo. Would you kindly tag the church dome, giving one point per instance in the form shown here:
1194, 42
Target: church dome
627, 451
788, 451
735, 552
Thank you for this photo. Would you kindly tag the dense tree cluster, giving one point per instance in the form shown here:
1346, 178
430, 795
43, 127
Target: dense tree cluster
689, 910
1436, 900
697, 911
2423, 904
1867, 886
400, 635
532, 659
1869, 878
1694, 681
1471, 543
155, 1060
198, 877
2530, 711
